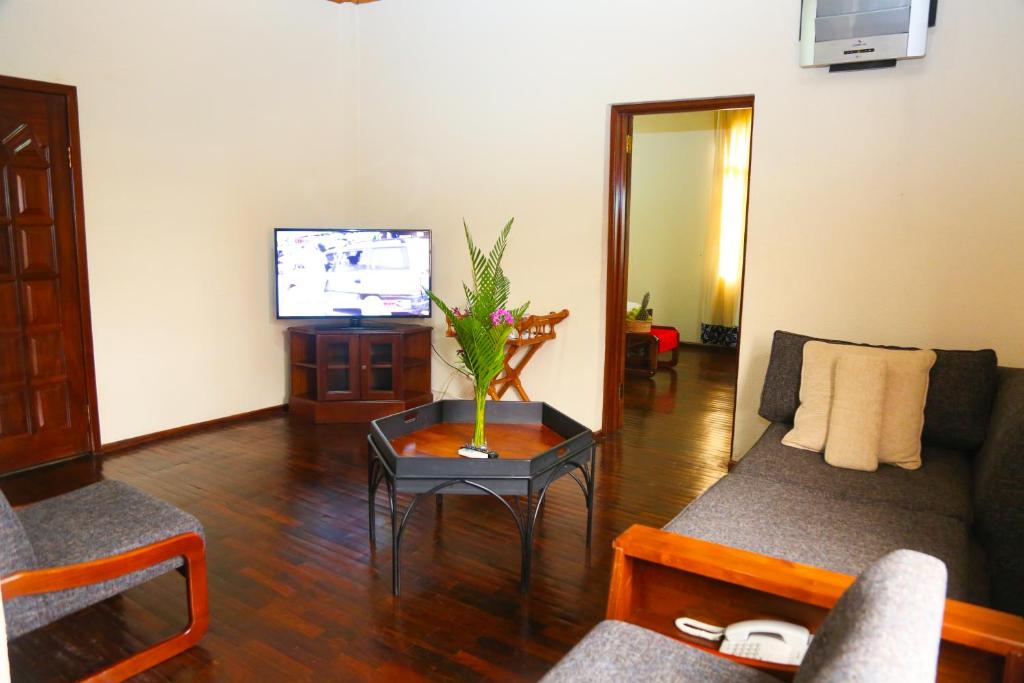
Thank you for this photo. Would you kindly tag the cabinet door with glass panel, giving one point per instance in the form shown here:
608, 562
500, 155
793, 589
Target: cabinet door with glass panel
380, 364
338, 367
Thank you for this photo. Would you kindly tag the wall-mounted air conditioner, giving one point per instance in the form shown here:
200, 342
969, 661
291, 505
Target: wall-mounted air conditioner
851, 34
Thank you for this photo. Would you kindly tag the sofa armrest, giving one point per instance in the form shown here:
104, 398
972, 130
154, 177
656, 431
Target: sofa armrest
658, 576
998, 484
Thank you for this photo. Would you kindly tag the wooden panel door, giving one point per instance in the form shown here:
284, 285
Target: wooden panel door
43, 386
380, 357
337, 365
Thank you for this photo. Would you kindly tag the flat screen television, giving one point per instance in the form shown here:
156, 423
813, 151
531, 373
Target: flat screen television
352, 273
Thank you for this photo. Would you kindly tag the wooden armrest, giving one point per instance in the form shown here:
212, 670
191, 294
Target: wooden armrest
658, 574
732, 565
52, 579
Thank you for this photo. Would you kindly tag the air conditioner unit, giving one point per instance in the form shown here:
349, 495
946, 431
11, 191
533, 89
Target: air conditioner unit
852, 34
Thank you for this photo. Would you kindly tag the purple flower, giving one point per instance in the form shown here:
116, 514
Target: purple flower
502, 317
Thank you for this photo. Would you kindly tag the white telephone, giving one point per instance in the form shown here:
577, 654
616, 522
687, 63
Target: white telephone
764, 639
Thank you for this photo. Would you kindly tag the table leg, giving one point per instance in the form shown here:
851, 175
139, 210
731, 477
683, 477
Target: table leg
525, 520
591, 483
527, 540
396, 542
516, 382
372, 483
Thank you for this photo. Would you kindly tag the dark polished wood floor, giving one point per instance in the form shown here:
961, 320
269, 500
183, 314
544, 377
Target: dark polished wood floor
297, 593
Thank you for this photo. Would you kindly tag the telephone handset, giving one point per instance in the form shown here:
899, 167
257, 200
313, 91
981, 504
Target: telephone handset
764, 639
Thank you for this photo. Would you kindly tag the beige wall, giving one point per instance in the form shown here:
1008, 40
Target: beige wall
204, 125
672, 165
885, 206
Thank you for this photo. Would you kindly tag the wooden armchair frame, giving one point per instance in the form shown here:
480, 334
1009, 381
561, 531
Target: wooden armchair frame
658, 576
190, 546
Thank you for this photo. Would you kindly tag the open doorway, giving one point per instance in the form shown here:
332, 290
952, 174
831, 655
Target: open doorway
679, 185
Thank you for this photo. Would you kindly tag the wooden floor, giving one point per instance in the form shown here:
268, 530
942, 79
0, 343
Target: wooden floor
296, 592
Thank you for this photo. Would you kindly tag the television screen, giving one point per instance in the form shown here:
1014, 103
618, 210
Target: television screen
334, 273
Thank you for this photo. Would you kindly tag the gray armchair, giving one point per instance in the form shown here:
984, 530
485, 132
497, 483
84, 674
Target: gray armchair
885, 627
65, 553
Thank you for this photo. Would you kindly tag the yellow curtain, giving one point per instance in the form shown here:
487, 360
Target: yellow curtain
723, 250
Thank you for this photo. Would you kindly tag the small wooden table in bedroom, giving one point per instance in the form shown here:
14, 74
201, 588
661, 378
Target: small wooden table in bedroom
416, 452
642, 349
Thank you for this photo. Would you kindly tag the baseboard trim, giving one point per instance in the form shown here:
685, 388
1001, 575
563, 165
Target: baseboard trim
124, 444
713, 347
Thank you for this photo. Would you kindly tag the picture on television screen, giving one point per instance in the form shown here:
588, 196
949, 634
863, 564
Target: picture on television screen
328, 273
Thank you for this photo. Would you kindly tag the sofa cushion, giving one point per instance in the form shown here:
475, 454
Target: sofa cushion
960, 390
905, 377
981, 582
615, 651
941, 486
999, 492
792, 523
963, 385
101, 520
855, 416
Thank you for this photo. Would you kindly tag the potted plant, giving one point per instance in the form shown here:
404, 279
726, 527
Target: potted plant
482, 328
639, 318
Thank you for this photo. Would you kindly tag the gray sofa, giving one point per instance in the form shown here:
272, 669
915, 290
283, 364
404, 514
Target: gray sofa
965, 505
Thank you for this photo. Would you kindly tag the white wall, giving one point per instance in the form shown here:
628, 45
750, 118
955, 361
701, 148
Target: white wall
204, 125
672, 167
885, 206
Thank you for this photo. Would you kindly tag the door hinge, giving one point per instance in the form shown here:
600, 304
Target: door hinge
69, 157
629, 144
620, 391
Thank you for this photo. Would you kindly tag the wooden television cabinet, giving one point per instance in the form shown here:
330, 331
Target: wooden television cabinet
357, 374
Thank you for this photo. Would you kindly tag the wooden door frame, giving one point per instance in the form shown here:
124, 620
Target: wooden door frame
618, 239
70, 95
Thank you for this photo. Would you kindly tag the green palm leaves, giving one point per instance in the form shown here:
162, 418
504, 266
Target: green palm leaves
484, 327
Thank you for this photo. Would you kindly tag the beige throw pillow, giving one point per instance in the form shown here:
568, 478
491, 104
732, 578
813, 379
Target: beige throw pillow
906, 388
855, 420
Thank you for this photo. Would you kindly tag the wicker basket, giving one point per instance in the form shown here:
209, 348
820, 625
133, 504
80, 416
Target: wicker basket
638, 326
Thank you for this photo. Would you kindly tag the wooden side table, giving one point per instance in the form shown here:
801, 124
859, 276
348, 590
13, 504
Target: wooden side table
532, 332
645, 347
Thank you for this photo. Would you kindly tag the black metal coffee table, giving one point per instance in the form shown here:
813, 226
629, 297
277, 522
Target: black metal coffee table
415, 452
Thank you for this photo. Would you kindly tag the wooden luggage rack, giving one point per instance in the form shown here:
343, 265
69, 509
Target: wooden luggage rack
532, 332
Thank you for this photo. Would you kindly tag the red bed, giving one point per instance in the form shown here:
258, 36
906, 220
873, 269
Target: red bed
668, 338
